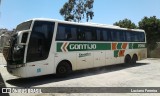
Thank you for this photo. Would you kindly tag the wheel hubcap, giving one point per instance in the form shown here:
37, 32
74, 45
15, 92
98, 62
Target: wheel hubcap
62, 70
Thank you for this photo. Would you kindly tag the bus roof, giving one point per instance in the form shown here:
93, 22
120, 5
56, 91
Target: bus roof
86, 24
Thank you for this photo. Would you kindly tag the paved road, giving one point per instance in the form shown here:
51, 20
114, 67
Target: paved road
2, 83
144, 74
2, 60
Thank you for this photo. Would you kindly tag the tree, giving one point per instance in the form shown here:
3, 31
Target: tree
151, 26
76, 10
126, 23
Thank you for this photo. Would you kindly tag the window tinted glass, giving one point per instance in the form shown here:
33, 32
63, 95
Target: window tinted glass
105, 35
40, 41
134, 36
137, 37
83, 33
99, 35
86, 33
66, 32
128, 36
90, 34
115, 35
71, 33
122, 36
61, 33
141, 37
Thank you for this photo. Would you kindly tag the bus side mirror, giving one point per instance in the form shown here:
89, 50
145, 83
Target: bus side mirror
22, 37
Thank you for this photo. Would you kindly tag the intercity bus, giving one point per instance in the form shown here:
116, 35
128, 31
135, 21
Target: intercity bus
46, 46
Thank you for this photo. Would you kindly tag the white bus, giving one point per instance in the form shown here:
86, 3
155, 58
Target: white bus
45, 46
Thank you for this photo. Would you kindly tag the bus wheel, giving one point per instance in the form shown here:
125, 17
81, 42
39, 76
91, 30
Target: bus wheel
127, 59
63, 69
134, 59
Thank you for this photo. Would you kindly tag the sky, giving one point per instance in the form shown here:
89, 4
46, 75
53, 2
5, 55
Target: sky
13, 12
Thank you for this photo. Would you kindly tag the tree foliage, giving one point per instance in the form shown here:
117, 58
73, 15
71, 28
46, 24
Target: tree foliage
151, 25
126, 23
76, 10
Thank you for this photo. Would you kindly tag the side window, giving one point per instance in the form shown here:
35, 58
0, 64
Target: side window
66, 32
105, 35
99, 35
128, 36
60, 33
134, 36
122, 36
80, 34
109, 35
115, 35
118, 35
73, 34
94, 34
70, 33
141, 37
88, 34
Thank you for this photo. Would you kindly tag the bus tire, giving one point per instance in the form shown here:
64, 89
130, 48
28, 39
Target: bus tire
63, 69
134, 59
127, 59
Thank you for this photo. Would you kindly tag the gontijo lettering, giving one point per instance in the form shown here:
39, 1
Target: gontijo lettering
82, 46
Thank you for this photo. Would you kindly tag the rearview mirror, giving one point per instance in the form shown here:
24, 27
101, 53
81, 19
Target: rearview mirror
22, 37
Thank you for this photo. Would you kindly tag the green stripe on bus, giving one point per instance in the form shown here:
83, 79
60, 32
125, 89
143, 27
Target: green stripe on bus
82, 46
59, 47
137, 45
116, 52
130, 45
67, 46
119, 46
